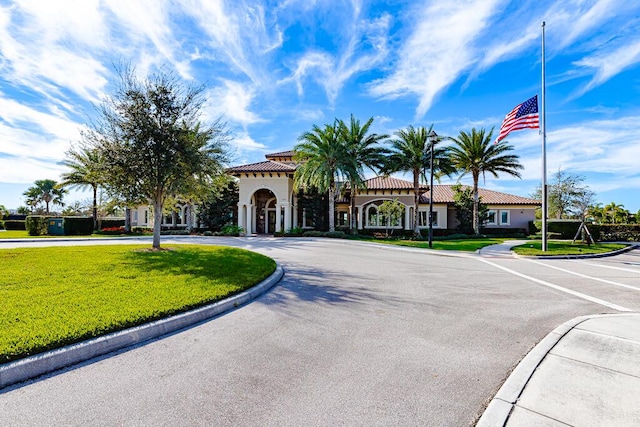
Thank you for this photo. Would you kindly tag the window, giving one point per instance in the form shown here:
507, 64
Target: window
372, 216
146, 217
343, 218
491, 218
504, 217
423, 218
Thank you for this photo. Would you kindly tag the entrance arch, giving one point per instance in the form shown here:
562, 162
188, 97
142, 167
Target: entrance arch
264, 201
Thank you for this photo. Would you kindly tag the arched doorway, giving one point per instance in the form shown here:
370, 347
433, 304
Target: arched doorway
265, 203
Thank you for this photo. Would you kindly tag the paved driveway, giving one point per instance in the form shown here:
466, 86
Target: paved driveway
355, 334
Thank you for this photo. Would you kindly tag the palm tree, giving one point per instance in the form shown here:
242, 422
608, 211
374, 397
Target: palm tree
410, 152
323, 163
86, 171
615, 212
364, 151
45, 191
474, 153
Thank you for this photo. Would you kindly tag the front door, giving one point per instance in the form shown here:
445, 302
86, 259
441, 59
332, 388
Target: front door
272, 221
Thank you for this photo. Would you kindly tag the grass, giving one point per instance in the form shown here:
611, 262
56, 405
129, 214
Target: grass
563, 247
467, 245
56, 296
22, 234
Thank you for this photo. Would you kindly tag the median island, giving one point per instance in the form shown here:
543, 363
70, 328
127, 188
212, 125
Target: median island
56, 296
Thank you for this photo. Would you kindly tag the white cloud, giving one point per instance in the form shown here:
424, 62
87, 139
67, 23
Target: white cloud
438, 50
609, 63
232, 101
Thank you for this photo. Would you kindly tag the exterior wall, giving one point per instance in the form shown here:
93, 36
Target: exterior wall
281, 185
519, 216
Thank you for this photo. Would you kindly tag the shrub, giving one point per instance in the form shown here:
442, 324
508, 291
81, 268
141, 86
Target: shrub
111, 222
616, 232
37, 225
295, 231
78, 226
112, 231
566, 228
208, 233
231, 230
15, 224
335, 234
175, 233
140, 230
1, 224
313, 233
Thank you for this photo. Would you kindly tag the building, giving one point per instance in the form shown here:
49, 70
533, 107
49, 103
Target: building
268, 202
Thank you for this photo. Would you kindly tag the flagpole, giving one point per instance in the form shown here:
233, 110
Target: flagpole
543, 131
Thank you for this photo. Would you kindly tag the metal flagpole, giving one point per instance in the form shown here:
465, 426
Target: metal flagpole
543, 130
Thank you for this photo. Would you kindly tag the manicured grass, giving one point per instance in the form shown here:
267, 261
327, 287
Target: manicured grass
558, 247
50, 297
22, 234
467, 245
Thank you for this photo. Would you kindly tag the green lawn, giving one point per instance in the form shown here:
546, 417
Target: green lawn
21, 234
51, 297
467, 245
564, 247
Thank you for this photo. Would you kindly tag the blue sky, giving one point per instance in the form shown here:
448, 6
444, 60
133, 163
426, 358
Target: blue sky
273, 69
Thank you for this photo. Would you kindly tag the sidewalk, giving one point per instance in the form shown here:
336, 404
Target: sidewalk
584, 373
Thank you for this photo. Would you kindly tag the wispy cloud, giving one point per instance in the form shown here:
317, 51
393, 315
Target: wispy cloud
609, 63
438, 50
232, 100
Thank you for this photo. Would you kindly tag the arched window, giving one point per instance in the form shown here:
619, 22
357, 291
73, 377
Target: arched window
372, 216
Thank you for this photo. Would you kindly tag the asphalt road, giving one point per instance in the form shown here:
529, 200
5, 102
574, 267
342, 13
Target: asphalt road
355, 334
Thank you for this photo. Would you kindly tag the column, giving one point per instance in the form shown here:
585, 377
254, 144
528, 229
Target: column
254, 217
241, 216
278, 218
407, 218
287, 217
295, 216
249, 229
359, 225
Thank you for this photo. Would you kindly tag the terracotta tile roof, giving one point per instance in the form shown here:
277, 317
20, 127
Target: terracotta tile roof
444, 194
266, 166
389, 183
288, 153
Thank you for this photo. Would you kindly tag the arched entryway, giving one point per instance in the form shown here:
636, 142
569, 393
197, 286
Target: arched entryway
265, 202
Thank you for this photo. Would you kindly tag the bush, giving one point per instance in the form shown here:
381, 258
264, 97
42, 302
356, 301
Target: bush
208, 233
313, 233
15, 224
111, 222
231, 230
295, 231
37, 225
335, 234
615, 232
504, 232
1, 224
112, 231
78, 226
140, 230
567, 228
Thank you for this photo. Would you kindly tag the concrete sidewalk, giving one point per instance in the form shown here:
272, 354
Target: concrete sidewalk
584, 373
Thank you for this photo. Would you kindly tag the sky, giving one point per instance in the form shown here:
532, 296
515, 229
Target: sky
273, 69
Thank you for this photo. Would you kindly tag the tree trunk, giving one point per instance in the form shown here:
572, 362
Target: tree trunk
187, 219
352, 208
127, 219
95, 207
476, 207
416, 202
157, 222
332, 206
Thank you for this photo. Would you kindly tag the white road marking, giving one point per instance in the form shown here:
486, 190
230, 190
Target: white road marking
559, 288
610, 282
615, 268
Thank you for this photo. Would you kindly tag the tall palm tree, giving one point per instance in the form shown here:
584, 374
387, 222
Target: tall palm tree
410, 152
615, 212
86, 170
364, 150
45, 191
323, 163
474, 153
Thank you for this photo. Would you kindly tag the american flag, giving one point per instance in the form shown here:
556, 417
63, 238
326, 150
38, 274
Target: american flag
525, 115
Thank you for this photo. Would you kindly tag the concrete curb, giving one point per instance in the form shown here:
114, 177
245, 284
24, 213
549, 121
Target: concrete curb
630, 247
502, 404
37, 365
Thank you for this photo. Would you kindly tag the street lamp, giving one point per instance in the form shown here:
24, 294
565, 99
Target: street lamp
433, 139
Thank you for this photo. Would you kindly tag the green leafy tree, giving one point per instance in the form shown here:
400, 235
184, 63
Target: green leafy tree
391, 212
364, 150
615, 213
464, 202
410, 153
324, 161
4, 212
474, 153
153, 143
44, 191
86, 169
566, 195
220, 208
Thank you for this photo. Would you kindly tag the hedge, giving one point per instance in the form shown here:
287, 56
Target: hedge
616, 232
37, 225
110, 223
15, 224
78, 225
